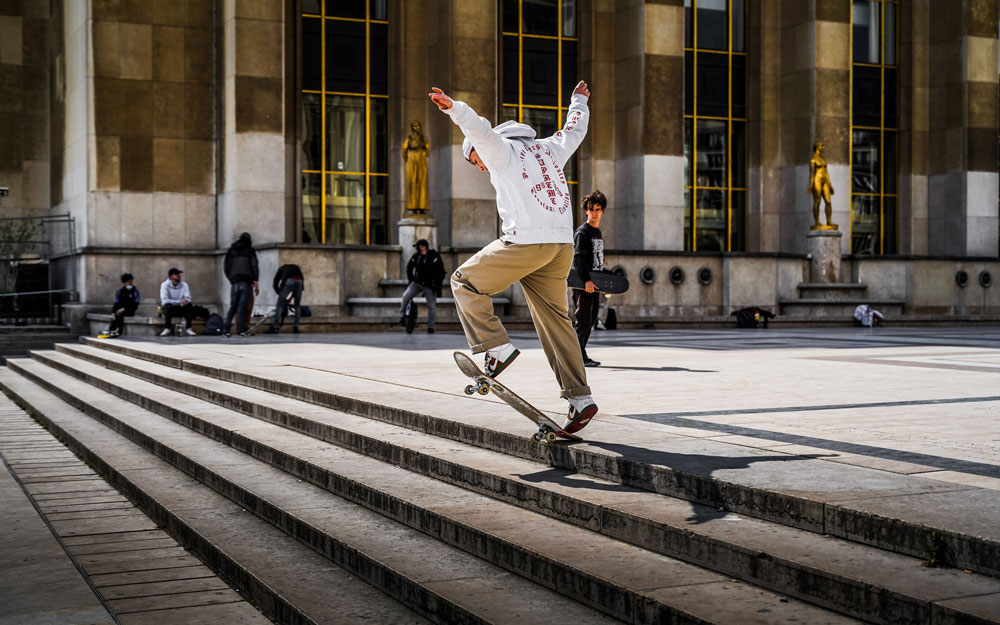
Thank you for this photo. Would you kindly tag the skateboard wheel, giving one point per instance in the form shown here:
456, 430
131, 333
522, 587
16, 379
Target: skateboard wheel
550, 437
483, 390
536, 437
469, 390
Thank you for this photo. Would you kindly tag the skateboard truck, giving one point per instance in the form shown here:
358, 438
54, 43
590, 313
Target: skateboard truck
480, 387
544, 433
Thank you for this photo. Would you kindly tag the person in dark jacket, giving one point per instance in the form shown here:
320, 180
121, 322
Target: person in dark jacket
240, 267
126, 302
288, 280
425, 271
588, 255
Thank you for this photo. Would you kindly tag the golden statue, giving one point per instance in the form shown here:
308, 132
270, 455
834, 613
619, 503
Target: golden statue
820, 187
415, 151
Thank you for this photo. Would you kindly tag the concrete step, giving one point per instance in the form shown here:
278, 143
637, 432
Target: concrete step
437, 581
837, 308
388, 307
629, 583
832, 291
858, 580
279, 574
766, 485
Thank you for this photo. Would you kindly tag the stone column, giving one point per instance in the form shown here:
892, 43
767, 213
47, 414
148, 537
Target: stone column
914, 126
815, 106
462, 37
597, 66
648, 205
253, 165
764, 78
823, 246
962, 186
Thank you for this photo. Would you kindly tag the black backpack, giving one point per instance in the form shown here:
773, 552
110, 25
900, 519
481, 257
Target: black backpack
213, 325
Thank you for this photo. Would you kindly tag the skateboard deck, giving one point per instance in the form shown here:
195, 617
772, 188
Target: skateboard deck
606, 281
548, 430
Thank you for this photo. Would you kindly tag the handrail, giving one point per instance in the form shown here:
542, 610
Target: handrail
35, 293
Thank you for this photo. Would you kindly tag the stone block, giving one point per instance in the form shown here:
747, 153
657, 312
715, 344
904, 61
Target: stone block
137, 221
107, 49
474, 21
981, 150
110, 106
199, 14
467, 73
259, 48
168, 110
199, 111
833, 44
104, 223
199, 221
168, 54
138, 97
664, 105
199, 166
169, 13
11, 40
168, 165
824, 247
169, 220
137, 163
259, 104
259, 9
982, 19
199, 56
136, 51
108, 162
664, 30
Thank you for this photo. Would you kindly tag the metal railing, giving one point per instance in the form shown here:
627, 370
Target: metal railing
27, 247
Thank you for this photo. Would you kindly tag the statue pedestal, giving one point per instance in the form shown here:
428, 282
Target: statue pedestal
824, 247
411, 230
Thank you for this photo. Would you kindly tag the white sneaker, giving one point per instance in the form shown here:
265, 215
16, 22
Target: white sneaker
190, 332
499, 358
166, 332
581, 411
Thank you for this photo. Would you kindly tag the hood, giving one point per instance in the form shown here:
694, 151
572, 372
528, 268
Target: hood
508, 130
243, 242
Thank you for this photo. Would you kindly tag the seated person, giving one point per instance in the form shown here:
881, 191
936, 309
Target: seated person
175, 299
126, 302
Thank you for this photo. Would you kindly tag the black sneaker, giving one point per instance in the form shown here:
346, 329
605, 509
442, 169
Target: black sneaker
271, 330
226, 335
295, 330
591, 363
430, 330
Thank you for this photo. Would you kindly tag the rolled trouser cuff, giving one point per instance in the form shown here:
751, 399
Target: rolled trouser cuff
577, 391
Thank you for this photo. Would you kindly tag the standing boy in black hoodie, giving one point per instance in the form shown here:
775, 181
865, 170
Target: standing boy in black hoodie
588, 255
425, 271
241, 269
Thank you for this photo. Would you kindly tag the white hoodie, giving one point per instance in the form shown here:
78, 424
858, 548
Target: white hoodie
527, 173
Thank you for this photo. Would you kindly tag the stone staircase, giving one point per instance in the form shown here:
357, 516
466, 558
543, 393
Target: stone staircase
834, 302
18, 340
272, 477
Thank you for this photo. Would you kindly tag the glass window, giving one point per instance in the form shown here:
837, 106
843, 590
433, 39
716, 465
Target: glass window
541, 17
715, 113
345, 143
874, 120
712, 25
540, 65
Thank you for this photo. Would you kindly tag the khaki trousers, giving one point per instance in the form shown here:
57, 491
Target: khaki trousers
541, 269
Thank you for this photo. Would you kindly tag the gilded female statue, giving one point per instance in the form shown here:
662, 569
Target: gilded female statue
415, 150
820, 187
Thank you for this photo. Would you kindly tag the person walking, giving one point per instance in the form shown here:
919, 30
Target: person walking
425, 271
175, 300
240, 267
126, 302
536, 248
288, 280
588, 246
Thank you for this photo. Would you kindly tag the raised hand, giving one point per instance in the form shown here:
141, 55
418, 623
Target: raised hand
581, 88
440, 98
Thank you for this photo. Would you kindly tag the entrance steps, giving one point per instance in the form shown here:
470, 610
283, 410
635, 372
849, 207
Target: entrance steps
441, 502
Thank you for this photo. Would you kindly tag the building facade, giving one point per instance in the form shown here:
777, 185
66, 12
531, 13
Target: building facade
166, 128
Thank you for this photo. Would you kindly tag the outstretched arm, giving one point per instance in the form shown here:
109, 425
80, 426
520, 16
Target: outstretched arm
574, 131
489, 145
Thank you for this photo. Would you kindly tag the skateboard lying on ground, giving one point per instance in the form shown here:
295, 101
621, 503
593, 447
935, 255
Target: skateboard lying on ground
606, 281
548, 430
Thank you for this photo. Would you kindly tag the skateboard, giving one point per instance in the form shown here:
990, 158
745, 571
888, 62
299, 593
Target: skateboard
548, 430
108, 335
606, 281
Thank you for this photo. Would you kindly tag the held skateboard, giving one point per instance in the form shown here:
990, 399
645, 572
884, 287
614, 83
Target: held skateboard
548, 430
606, 281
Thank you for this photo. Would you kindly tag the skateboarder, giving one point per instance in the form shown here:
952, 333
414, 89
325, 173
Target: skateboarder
126, 302
536, 247
588, 246
425, 271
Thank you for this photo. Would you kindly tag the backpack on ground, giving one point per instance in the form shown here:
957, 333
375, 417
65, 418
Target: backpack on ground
213, 325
